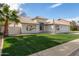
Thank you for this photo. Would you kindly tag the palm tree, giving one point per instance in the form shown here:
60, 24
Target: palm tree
6, 16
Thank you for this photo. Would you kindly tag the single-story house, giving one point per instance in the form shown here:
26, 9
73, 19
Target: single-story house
39, 25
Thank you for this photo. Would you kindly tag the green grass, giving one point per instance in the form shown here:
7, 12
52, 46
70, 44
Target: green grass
28, 44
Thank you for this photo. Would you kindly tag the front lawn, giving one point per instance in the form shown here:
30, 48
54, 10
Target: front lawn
27, 44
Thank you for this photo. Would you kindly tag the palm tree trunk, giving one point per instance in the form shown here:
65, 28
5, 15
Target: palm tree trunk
6, 28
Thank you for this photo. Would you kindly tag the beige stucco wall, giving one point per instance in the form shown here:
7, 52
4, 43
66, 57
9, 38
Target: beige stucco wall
2, 29
51, 28
14, 29
21, 29
63, 29
24, 29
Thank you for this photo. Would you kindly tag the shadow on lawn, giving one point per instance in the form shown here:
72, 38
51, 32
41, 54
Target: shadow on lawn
26, 45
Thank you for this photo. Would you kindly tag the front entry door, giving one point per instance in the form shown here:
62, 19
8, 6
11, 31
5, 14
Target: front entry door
41, 26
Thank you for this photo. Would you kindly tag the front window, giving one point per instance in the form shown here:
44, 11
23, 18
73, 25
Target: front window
57, 27
30, 27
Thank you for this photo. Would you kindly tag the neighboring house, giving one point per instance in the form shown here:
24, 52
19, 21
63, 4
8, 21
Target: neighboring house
39, 24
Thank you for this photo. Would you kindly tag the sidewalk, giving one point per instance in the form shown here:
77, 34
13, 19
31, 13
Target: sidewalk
60, 50
1, 44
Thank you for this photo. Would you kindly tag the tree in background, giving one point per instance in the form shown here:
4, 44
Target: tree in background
73, 26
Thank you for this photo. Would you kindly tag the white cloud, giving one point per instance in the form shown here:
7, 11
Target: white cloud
75, 19
15, 6
55, 5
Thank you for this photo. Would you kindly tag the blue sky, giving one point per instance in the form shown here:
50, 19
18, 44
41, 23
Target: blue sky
51, 10
47, 10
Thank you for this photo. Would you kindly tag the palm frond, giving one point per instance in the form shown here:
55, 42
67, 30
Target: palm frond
5, 9
13, 16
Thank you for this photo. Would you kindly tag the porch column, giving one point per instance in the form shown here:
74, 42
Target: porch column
37, 28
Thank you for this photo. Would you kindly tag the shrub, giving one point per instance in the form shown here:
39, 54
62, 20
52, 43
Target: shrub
1, 33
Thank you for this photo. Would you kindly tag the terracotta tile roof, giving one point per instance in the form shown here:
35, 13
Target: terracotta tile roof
26, 20
40, 17
59, 21
62, 22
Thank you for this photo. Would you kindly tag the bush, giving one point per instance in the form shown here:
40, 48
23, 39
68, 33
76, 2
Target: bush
1, 33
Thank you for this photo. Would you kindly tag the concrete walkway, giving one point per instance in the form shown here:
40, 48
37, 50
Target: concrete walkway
1, 45
65, 49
